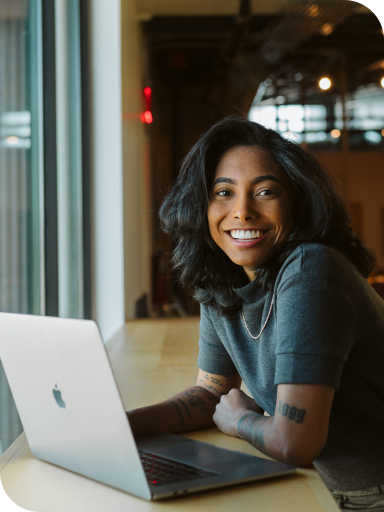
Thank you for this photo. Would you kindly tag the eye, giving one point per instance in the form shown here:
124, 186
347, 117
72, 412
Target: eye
266, 192
223, 193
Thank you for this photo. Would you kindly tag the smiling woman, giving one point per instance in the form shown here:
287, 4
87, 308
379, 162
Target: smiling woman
265, 241
300, 187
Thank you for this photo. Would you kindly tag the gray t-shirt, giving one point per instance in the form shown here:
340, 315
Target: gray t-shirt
326, 327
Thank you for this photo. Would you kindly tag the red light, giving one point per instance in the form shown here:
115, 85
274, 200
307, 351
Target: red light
147, 98
146, 117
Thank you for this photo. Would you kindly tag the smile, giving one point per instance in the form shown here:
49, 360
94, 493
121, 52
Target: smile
246, 235
247, 238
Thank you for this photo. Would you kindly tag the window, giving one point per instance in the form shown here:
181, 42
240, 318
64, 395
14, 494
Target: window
21, 172
321, 125
44, 200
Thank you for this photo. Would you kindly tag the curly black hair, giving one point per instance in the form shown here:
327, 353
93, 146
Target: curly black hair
319, 213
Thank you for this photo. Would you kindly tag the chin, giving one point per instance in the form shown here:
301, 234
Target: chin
251, 265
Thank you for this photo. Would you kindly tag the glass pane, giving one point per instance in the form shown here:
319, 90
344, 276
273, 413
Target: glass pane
69, 158
21, 275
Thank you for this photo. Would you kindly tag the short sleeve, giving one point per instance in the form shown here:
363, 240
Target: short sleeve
315, 332
213, 356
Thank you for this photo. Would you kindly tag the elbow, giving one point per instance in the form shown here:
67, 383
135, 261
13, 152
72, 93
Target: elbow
298, 459
299, 454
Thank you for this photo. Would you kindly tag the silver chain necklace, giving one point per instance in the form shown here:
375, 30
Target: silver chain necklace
265, 323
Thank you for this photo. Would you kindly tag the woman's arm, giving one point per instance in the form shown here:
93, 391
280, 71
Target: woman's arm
190, 409
298, 431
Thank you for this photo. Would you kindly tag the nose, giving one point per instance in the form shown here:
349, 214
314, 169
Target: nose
244, 209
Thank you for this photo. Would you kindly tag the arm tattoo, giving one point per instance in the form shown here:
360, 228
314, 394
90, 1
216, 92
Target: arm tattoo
178, 412
251, 428
197, 401
194, 392
292, 413
207, 394
185, 408
211, 387
203, 391
216, 381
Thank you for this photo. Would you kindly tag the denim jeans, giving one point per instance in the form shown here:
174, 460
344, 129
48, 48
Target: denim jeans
366, 500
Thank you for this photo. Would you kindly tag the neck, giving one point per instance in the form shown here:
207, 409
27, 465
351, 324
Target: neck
250, 273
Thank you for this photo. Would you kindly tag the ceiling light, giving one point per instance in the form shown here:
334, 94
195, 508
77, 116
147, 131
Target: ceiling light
335, 134
325, 83
326, 29
382, 82
314, 10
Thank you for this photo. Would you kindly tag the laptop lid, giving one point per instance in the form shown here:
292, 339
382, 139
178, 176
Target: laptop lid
65, 391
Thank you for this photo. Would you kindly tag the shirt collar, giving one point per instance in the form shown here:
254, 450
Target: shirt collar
250, 292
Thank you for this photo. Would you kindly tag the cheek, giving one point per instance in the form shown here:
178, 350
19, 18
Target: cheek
210, 218
284, 216
213, 218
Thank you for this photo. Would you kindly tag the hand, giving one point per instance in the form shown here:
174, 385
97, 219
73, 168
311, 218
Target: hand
230, 409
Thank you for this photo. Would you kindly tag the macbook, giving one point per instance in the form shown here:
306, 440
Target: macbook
73, 416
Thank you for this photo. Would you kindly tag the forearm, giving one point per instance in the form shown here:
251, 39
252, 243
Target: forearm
190, 409
259, 431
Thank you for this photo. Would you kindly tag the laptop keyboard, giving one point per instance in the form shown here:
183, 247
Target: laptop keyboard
163, 471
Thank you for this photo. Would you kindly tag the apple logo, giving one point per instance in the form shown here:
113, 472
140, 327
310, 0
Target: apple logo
57, 395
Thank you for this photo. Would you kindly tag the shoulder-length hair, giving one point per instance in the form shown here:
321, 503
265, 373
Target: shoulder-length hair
319, 215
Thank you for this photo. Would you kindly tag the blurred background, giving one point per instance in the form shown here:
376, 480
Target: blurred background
101, 99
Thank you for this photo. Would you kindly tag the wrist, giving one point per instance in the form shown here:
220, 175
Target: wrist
244, 419
139, 421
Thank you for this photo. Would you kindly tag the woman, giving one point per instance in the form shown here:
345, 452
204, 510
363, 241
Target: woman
265, 241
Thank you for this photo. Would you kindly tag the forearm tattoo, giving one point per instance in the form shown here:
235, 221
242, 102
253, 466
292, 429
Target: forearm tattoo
251, 427
178, 412
185, 408
292, 413
208, 395
196, 400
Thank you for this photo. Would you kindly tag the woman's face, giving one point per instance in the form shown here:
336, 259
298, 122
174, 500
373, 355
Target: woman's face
250, 206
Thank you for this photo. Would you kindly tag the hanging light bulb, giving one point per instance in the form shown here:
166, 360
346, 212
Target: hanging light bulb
325, 83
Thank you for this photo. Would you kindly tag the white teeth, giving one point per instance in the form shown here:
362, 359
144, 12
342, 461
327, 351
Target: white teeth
240, 234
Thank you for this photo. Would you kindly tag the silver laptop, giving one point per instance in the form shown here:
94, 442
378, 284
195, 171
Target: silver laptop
73, 416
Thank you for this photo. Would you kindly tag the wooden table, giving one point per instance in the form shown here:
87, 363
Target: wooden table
152, 359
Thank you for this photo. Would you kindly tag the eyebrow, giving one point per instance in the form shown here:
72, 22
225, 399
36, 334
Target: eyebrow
254, 181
